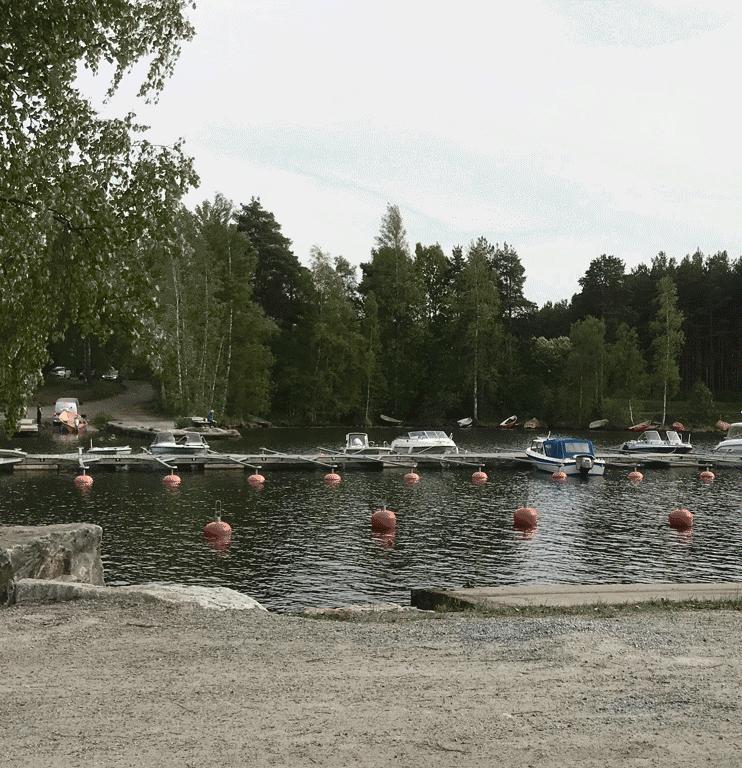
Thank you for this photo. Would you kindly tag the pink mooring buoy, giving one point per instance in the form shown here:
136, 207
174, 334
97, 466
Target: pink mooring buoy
171, 481
411, 478
333, 478
383, 519
479, 477
256, 480
83, 481
680, 519
635, 476
525, 518
707, 476
559, 476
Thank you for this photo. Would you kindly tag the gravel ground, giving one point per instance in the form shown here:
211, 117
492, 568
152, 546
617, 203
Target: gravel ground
85, 684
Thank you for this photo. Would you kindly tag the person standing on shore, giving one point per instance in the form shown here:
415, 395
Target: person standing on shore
38, 414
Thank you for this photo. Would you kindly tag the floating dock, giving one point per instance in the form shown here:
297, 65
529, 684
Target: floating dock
275, 460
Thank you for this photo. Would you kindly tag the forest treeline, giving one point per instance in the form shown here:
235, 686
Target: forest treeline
243, 327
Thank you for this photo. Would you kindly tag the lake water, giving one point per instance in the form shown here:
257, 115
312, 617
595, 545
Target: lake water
299, 543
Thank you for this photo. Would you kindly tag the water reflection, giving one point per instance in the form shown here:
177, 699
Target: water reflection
299, 542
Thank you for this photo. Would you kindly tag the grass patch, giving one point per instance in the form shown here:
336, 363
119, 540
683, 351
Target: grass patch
85, 392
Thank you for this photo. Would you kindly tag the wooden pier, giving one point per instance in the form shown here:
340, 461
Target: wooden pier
274, 460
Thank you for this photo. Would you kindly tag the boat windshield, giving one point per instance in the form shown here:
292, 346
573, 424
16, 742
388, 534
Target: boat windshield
193, 438
164, 437
651, 436
572, 447
735, 432
357, 440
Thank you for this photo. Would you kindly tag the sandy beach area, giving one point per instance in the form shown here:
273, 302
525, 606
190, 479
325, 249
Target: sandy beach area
87, 684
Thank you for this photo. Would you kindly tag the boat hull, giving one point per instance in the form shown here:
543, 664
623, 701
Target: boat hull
676, 449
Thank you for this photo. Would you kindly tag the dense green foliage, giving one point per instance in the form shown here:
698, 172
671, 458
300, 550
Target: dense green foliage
84, 203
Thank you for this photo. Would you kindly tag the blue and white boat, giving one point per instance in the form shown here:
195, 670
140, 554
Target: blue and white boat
573, 455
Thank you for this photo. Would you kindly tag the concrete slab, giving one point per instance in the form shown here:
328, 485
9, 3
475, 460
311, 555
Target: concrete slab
568, 595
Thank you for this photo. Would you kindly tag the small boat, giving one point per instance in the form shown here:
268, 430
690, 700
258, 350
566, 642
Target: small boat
571, 455
190, 444
108, 450
651, 442
732, 443
464, 423
358, 444
509, 423
67, 415
424, 441
723, 426
389, 419
642, 426
534, 424
598, 424
26, 427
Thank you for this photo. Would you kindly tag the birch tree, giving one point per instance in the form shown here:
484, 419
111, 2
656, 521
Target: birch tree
667, 340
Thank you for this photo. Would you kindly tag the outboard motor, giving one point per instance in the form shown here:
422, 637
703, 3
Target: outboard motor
584, 464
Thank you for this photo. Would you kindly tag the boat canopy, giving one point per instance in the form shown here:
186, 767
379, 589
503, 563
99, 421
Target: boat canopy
356, 440
566, 447
735, 431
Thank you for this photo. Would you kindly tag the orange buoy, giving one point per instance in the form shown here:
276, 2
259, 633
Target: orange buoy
479, 477
635, 476
681, 519
707, 476
333, 478
559, 476
411, 478
217, 529
383, 519
525, 518
83, 481
172, 480
256, 480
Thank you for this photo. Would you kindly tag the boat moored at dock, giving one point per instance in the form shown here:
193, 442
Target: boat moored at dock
732, 443
571, 455
431, 441
650, 441
358, 444
190, 444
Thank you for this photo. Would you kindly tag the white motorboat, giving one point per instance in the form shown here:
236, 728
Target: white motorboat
108, 450
732, 443
651, 442
571, 455
358, 444
424, 441
464, 423
189, 444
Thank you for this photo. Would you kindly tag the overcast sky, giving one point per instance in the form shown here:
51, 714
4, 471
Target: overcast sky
568, 129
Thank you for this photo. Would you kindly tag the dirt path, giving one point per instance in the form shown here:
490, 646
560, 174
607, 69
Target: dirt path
84, 684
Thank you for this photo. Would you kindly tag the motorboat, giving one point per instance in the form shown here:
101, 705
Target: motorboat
424, 441
389, 419
358, 444
732, 443
651, 442
534, 424
464, 423
509, 423
188, 444
571, 455
108, 450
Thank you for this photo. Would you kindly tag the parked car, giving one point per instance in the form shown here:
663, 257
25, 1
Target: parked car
110, 375
60, 372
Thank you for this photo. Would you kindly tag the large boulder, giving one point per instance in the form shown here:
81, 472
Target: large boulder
70, 552
214, 598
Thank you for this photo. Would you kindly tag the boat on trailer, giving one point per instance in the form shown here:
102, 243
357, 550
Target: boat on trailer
189, 444
571, 455
650, 441
424, 441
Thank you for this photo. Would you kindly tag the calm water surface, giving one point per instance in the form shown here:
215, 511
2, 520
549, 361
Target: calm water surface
299, 543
